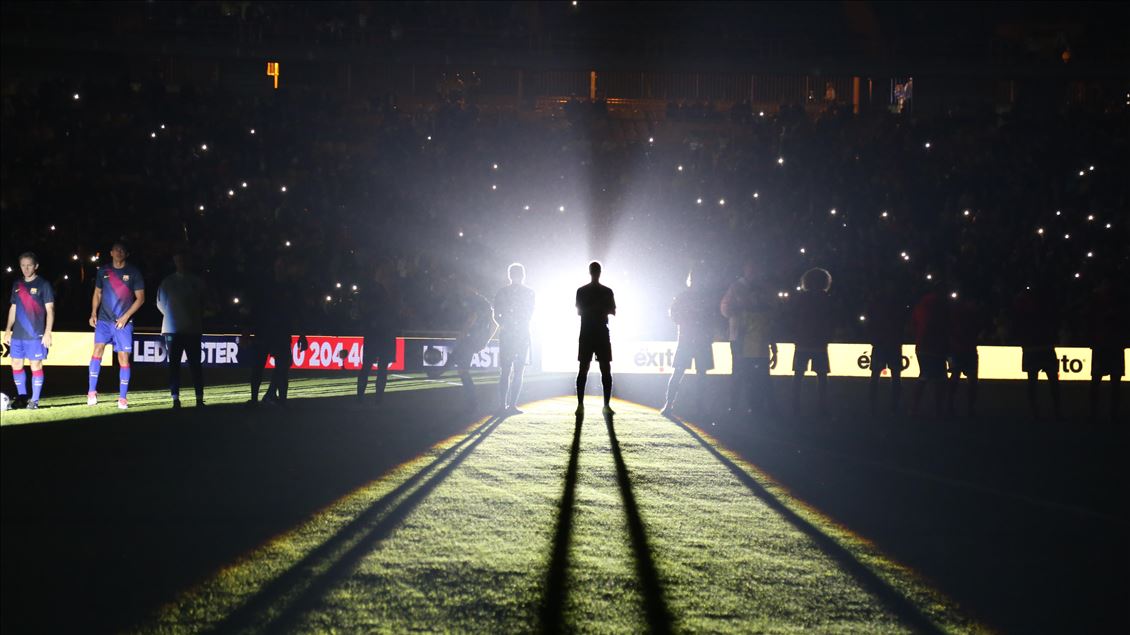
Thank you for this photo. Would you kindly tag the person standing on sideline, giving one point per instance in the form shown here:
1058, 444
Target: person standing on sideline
886, 323
119, 291
376, 313
1035, 317
749, 310
930, 321
813, 328
1105, 316
476, 331
966, 322
694, 314
30, 319
513, 309
274, 315
180, 299
595, 302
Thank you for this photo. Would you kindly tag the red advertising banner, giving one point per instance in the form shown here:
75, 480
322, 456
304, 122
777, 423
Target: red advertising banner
328, 352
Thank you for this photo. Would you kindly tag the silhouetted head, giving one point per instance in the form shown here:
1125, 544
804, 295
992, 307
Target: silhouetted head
594, 269
816, 279
516, 273
182, 261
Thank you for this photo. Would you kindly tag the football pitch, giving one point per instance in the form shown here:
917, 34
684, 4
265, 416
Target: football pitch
337, 516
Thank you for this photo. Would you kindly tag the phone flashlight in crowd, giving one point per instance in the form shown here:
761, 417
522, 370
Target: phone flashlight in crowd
698, 201
965, 213
162, 126
679, 168
202, 208
1091, 169
561, 208
884, 214
152, 135
780, 160
863, 318
721, 201
651, 139
953, 295
204, 146
1081, 173
929, 276
832, 211
75, 96
235, 300
761, 113
494, 166
337, 285
74, 256
287, 243
283, 188
52, 228
328, 298
756, 195
527, 208
802, 250
252, 131
243, 184
927, 145
231, 193
1090, 217
493, 186
1040, 231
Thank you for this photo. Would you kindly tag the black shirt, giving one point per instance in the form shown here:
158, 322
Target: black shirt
594, 304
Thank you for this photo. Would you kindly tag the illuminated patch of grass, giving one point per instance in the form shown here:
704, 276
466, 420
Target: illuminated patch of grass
464, 539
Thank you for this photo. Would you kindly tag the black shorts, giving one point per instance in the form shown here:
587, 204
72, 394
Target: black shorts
1109, 360
930, 365
513, 348
886, 357
701, 352
380, 346
964, 363
1035, 360
465, 348
594, 341
818, 357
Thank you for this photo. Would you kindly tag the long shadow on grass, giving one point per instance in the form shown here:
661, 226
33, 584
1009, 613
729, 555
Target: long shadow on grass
299, 589
894, 601
655, 606
553, 603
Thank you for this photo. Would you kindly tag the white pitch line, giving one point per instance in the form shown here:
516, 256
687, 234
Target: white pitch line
436, 381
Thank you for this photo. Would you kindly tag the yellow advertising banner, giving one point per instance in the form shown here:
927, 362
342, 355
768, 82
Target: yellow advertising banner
845, 360
67, 349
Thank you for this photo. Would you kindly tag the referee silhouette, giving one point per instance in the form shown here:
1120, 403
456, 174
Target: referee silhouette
595, 303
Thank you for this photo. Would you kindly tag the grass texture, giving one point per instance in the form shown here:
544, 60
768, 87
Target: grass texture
538, 522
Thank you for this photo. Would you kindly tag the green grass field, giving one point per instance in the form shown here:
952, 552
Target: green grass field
465, 539
332, 515
73, 406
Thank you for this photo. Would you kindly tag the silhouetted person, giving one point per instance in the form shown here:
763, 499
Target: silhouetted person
812, 326
1035, 319
749, 308
1107, 317
930, 322
375, 313
513, 309
180, 298
274, 316
595, 302
694, 313
886, 323
474, 334
966, 323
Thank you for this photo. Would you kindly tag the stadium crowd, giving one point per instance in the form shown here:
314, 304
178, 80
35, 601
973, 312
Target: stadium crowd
979, 205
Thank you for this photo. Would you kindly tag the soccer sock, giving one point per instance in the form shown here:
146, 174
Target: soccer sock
123, 379
36, 384
95, 368
21, 381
